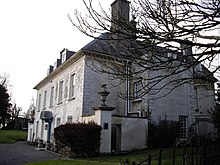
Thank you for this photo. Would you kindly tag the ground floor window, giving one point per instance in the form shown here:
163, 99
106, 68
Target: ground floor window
183, 121
58, 122
69, 119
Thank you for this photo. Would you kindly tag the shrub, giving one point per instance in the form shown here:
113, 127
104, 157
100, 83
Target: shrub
79, 138
162, 135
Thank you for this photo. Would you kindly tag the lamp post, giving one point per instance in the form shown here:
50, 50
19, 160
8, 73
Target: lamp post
103, 94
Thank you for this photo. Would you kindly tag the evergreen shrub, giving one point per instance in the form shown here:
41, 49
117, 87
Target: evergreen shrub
79, 139
162, 135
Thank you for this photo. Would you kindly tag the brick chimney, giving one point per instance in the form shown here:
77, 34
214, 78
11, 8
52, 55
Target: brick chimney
120, 14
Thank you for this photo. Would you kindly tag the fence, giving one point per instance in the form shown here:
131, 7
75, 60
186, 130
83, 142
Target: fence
199, 150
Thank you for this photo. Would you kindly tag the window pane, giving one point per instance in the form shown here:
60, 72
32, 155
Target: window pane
45, 99
60, 98
137, 89
72, 86
183, 127
69, 119
39, 102
58, 121
51, 95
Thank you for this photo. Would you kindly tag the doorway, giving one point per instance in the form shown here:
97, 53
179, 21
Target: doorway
116, 138
42, 130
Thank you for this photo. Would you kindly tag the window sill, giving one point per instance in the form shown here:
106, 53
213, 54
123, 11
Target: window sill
59, 103
73, 98
51, 106
137, 100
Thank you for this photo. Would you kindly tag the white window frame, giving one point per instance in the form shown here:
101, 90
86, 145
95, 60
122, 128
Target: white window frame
61, 91
37, 129
137, 87
72, 86
39, 102
69, 119
51, 95
45, 100
58, 121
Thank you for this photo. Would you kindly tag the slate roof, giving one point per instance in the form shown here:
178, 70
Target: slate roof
205, 74
105, 44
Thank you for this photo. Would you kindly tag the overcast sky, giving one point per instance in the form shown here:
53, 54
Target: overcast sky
32, 34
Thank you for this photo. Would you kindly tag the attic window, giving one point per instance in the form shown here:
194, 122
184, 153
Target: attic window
199, 67
63, 56
171, 55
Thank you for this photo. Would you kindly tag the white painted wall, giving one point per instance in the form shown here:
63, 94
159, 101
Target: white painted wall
67, 107
92, 85
133, 132
88, 83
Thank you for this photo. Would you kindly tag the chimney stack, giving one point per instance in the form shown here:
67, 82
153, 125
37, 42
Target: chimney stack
187, 52
120, 15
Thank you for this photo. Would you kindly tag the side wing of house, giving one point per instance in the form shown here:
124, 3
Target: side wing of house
187, 102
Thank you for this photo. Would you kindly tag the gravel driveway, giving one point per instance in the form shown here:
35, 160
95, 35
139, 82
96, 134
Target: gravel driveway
21, 152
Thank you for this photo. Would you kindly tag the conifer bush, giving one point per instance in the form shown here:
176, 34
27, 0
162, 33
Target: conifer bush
81, 139
162, 135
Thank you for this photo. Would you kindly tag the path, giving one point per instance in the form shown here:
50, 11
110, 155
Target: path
21, 152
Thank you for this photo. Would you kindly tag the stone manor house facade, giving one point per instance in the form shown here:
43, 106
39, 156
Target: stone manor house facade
70, 91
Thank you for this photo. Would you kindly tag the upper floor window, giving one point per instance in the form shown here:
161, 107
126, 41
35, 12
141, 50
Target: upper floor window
137, 86
45, 100
72, 86
60, 96
39, 102
51, 95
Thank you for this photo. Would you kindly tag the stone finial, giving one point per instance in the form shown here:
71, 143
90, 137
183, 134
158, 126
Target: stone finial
103, 94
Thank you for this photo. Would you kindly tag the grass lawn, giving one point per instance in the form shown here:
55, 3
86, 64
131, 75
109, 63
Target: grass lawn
71, 162
11, 136
137, 156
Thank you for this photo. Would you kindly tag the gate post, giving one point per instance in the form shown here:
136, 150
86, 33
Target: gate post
103, 115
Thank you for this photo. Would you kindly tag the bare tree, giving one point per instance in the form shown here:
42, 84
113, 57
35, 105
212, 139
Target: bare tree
15, 111
31, 111
175, 40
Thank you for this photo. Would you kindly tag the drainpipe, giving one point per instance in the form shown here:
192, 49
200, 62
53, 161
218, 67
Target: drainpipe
127, 90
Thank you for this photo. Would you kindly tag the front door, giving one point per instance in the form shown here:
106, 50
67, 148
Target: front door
42, 130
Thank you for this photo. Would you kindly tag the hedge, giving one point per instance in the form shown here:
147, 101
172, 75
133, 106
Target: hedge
81, 139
